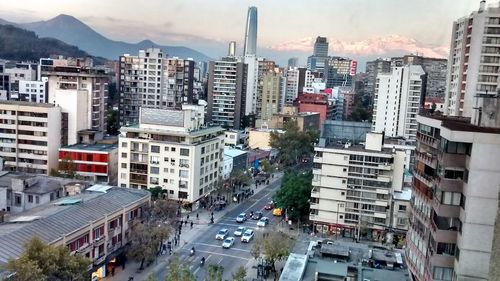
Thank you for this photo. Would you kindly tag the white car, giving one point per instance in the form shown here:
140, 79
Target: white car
241, 217
263, 221
239, 231
222, 234
228, 242
247, 236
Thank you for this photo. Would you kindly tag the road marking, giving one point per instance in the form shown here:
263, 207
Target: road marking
225, 255
236, 225
219, 246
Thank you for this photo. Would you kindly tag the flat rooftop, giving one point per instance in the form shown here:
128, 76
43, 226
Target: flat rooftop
36, 184
102, 147
233, 152
456, 123
26, 103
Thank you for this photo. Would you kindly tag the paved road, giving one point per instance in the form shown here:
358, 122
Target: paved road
238, 255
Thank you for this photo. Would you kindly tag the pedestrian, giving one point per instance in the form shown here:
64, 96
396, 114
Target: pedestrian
175, 241
197, 216
186, 222
188, 217
191, 225
212, 214
113, 271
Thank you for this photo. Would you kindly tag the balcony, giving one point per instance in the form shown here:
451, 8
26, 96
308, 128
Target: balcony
444, 210
443, 233
428, 140
427, 180
428, 159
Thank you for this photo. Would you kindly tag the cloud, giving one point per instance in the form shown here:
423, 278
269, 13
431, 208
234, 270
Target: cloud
369, 47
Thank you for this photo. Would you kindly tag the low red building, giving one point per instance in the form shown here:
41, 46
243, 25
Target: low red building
315, 103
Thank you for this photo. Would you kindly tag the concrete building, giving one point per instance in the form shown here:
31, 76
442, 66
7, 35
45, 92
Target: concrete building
345, 131
20, 72
316, 103
4, 83
293, 62
228, 167
353, 187
81, 92
455, 192
97, 163
433, 101
305, 120
400, 210
292, 85
95, 225
33, 91
235, 138
339, 72
261, 138
270, 98
31, 136
373, 69
173, 149
317, 61
398, 99
474, 61
179, 82
20, 192
226, 92
238, 158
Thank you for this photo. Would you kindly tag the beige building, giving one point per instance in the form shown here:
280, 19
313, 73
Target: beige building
261, 138
30, 136
271, 89
173, 149
400, 209
305, 120
353, 186
95, 225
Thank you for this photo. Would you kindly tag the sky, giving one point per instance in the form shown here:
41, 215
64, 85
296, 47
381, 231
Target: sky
360, 29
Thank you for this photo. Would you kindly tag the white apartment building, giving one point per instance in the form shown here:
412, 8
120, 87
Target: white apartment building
173, 149
292, 85
398, 97
252, 64
353, 186
30, 136
474, 61
33, 91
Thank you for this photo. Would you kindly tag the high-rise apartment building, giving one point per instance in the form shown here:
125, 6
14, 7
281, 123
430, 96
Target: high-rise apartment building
353, 186
293, 62
474, 61
31, 136
271, 90
250, 47
180, 82
339, 72
292, 85
226, 92
173, 149
455, 197
81, 91
264, 67
398, 98
373, 69
317, 61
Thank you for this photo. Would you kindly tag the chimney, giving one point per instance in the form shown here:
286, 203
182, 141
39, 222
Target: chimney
482, 6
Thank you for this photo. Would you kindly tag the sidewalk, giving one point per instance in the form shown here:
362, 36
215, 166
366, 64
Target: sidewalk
188, 234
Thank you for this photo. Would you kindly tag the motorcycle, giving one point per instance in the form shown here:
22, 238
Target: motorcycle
202, 261
192, 252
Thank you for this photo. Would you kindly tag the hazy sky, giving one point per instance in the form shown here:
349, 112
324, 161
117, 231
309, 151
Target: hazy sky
355, 28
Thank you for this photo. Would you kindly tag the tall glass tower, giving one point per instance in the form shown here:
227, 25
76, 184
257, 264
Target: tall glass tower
250, 47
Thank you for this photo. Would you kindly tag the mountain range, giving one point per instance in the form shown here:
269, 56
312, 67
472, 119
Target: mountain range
74, 32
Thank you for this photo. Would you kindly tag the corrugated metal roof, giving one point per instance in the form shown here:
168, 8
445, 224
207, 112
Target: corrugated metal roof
66, 221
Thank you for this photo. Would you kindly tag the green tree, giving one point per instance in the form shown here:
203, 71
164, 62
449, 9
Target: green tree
433, 107
67, 167
146, 240
294, 194
293, 143
178, 272
156, 192
240, 274
215, 272
240, 177
275, 246
42, 262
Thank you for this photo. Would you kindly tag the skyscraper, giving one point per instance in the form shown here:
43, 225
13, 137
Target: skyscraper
321, 47
317, 61
250, 47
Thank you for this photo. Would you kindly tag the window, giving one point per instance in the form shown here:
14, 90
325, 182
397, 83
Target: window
453, 174
173, 149
402, 221
124, 144
317, 166
124, 155
37, 199
183, 163
442, 273
153, 180
166, 148
184, 173
155, 159
123, 176
184, 152
124, 165
402, 208
154, 170
155, 148
17, 199
30, 198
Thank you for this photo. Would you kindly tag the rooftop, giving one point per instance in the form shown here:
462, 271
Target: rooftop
25, 103
36, 184
233, 152
456, 123
91, 147
403, 195
56, 221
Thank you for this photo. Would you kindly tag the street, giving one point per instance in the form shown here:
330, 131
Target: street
238, 255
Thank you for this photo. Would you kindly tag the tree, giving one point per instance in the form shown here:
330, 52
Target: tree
113, 123
215, 272
151, 277
146, 240
240, 177
164, 210
67, 167
293, 143
42, 262
294, 194
240, 274
156, 192
178, 272
256, 250
275, 247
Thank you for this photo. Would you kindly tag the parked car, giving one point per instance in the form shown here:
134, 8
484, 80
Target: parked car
228, 242
277, 212
263, 221
257, 215
247, 236
222, 234
239, 231
269, 206
241, 217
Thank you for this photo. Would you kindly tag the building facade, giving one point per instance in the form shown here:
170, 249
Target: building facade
353, 187
173, 149
31, 136
180, 82
33, 91
291, 85
474, 61
398, 99
373, 69
317, 61
271, 91
339, 72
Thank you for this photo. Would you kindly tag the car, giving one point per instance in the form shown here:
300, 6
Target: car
247, 236
263, 221
239, 231
257, 215
277, 212
241, 217
222, 234
269, 206
228, 242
